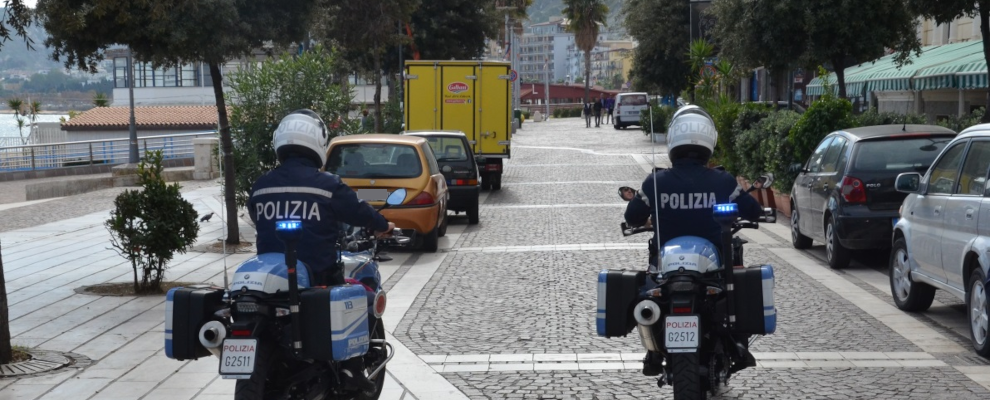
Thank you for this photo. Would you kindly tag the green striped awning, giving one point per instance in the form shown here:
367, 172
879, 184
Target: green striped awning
944, 76
855, 82
894, 78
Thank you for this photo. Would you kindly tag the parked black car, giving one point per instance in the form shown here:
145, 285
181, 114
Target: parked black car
844, 195
458, 166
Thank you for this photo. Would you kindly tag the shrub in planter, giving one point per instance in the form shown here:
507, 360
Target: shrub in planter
149, 226
873, 117
724, 113
661, 118
826, 115
764, 148
958, 124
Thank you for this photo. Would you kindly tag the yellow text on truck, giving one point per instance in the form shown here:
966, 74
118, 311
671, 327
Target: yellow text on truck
468, 96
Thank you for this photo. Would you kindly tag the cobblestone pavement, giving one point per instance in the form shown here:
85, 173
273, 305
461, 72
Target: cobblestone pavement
509, 313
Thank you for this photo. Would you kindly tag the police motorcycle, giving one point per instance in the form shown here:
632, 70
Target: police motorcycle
280, 335
692, 314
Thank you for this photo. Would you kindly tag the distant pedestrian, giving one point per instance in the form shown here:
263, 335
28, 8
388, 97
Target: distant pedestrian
598, 112
609, 106
587, 115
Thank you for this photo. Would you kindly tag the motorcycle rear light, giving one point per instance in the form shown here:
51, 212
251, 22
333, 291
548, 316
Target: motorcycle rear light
423, 199
247, 307
241, 332
682, 310
853, 190
282, 312
712, 290
682, 286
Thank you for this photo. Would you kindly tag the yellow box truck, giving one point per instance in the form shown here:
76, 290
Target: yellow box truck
467, 96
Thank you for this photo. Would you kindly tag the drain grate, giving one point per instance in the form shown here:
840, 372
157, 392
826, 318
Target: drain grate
41, 362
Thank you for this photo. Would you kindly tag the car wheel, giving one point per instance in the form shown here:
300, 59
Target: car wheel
616, 127
838, 256
472, 213
442, 229
798, 240
979, 312
908, 295
486, 183
496, 181
430, 241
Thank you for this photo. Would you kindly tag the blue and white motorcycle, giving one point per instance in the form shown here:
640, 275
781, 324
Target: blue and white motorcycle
693, 316
280, 335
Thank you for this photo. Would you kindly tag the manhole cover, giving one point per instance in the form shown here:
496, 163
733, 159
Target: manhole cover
41, 362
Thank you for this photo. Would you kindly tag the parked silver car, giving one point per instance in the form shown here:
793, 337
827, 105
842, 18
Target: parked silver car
942, 240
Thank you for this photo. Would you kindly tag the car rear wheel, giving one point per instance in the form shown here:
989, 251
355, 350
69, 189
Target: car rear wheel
979, 312
908, 295
798, 240
430, 242
486, 183
442, 229
838, 256
496, 181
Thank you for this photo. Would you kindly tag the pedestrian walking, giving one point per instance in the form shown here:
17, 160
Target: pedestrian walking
598, 112
587, 115
609, 106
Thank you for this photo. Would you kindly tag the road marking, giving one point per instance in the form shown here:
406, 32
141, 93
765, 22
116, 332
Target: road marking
905, 325
557, 247
557, 205
616, 183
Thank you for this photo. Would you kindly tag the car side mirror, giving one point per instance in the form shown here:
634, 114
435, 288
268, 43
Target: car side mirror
627, 193
796, 167
908, 182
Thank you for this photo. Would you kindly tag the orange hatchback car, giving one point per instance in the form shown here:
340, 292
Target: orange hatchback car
376, 164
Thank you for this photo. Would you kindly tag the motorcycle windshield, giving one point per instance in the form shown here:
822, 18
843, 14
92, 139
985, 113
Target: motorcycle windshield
690, 253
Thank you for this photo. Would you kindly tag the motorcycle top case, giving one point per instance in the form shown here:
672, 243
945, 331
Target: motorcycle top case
755, 311
186, 310
334, 322
618, 291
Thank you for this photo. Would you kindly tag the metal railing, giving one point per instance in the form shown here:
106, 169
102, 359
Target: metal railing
94, 152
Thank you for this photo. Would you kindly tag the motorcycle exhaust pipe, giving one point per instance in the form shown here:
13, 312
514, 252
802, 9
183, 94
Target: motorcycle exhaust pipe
211, 336
646, 313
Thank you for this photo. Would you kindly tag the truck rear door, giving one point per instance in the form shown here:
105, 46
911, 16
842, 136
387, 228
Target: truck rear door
421, 103
458, 88
494, 129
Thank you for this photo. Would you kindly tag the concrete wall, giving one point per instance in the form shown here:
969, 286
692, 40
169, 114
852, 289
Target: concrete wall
77, 136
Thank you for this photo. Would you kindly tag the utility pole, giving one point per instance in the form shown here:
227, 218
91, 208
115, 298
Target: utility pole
132, 126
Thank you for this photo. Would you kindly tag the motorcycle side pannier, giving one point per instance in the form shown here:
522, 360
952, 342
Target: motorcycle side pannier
618, 291
755, 311
186, 310
334, 322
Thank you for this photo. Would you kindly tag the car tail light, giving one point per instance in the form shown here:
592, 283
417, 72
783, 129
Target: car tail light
493, 167
853, 190
423, 199
463, 182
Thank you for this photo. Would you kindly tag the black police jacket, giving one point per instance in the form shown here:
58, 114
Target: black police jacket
684, 198
297, 189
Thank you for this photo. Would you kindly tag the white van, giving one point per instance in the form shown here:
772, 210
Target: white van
627, 108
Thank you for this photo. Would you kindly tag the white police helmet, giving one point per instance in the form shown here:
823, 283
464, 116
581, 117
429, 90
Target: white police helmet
691, 133
302, 133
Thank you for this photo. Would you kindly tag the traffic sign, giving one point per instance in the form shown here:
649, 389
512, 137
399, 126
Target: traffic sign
513, 75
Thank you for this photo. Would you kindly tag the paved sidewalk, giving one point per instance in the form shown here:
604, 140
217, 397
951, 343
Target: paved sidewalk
123, 336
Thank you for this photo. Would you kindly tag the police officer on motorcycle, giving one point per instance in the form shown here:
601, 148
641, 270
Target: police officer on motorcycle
297, 189
680, 199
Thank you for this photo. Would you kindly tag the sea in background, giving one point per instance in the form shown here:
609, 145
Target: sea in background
8, 125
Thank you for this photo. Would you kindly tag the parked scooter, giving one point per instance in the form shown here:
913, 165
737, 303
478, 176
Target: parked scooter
696, 310
282, 336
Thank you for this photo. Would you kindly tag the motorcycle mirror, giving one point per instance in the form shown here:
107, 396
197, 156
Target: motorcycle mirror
627, 193
396, 197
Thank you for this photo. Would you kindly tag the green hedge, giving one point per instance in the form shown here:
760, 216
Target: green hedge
958, 124
567, 112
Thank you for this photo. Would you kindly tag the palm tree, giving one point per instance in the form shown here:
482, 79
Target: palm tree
16, 105
100, 100
698, 53
585, 20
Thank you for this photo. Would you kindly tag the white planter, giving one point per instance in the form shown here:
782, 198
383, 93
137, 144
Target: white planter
659, 138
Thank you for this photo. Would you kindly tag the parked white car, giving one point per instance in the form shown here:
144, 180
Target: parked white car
627, 108
942, 239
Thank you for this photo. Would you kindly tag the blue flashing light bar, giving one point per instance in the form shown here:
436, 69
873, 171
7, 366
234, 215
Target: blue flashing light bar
292, 225
726, 209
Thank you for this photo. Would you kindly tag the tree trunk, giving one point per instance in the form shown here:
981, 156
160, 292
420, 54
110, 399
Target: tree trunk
6, 352
587, 76
378, 91
985, 30
840, 75
227, 146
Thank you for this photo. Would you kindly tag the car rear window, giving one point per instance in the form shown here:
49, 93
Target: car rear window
375, 160
448, 148
633, 100
898, 155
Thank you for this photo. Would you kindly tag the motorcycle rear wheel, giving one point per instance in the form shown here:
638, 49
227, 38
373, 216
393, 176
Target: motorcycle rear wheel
378, 332
687, 381
254, 388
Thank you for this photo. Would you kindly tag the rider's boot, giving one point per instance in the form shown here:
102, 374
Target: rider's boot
652, 364
352, 373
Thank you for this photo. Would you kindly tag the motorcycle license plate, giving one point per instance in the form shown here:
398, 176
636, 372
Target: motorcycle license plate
681, 333
237, 358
